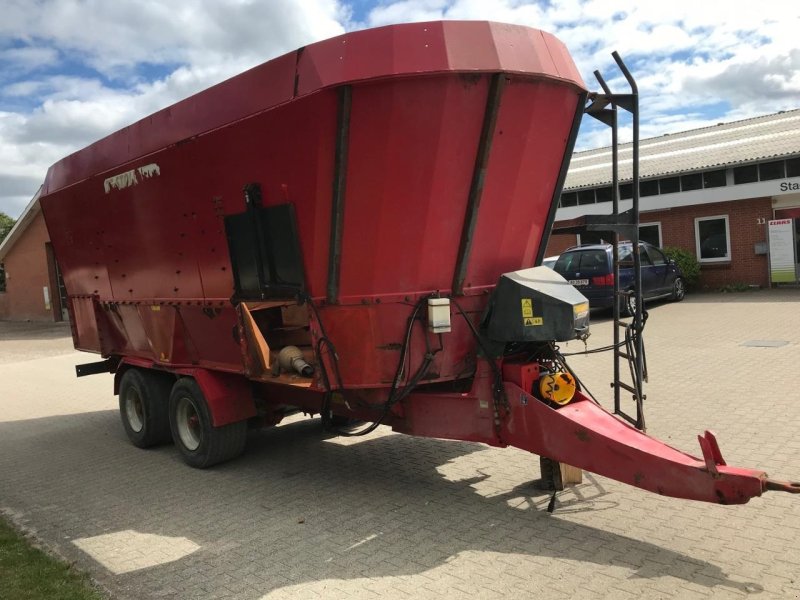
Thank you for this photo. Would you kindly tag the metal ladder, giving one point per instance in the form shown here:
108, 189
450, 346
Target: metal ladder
603, 107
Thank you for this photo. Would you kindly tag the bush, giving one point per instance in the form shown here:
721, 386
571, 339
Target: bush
687, 263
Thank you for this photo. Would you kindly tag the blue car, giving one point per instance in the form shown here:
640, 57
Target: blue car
589, 268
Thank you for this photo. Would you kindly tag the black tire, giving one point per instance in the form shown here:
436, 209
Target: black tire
200, 443
628, 305
339, 421
678, 290
144, 407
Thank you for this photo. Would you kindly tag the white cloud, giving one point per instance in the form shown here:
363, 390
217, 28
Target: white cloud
687, 56
74, 71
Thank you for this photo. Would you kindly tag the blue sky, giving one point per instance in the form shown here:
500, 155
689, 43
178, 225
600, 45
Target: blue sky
73, 71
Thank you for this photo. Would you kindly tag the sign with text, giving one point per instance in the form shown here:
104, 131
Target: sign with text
781, 251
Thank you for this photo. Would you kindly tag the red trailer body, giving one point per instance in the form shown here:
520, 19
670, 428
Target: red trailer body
320, 201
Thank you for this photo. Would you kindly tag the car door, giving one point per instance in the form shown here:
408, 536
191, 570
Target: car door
649, 274
658, 280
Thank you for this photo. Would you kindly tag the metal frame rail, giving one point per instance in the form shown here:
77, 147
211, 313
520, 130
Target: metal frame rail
603, 107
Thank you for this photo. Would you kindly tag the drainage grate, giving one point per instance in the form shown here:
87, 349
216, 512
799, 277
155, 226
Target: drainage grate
765, 343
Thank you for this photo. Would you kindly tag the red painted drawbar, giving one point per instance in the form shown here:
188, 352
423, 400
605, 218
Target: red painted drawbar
319, 201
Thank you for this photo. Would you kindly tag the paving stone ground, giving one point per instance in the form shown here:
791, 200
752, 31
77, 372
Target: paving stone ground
304, 515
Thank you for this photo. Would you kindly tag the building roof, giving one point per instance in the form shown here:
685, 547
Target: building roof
22, 223
757, 139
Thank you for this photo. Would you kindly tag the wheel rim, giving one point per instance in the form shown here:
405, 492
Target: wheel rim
631, 301
189, 427
679, 288
134, 410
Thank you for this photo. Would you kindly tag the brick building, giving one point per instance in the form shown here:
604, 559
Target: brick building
711, 191
33, 289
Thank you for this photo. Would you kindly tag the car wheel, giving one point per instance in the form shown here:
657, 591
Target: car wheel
200, 443
628, 305
678, 289
144, 407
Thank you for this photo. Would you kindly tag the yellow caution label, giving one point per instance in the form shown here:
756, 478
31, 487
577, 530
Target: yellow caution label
527, 308
155, 307
580, 310
530, 321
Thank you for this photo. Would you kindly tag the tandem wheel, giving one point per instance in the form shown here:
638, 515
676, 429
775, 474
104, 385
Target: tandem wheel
144, 407
200, 443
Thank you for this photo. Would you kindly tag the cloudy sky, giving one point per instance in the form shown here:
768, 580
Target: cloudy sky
72, 71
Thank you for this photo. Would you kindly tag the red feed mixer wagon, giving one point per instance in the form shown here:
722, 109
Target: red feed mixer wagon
350, 230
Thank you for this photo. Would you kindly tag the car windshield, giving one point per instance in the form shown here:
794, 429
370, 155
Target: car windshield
588, 262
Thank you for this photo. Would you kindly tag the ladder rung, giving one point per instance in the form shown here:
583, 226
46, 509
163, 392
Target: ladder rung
631, 420
625, 386
623, 355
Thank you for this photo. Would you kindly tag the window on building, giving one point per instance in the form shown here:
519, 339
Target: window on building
569, 199
595, 237
648, 188
692, 181
745, 174
626, 191
650, 233
2, 278
586, 197
712, 179
712, 238
771, 170
793, 167
603, 194
669, 185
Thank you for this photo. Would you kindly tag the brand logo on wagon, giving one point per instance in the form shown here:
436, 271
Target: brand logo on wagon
132, 177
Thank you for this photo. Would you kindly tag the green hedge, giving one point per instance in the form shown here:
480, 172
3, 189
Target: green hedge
687, 262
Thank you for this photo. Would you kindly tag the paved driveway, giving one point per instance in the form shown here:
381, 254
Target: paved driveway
303, 515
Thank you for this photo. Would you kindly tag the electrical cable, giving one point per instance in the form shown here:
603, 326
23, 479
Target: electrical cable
559, 358
396, 394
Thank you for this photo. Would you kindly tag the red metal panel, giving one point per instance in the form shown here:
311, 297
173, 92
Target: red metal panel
135, 334
255, 90
290, 153
584, 435
84, 323
79, 242
562, 61
229, 396
159, 241
210, 336
371, 53
528, 146
368, 340
407, 49
522, 374
412, 152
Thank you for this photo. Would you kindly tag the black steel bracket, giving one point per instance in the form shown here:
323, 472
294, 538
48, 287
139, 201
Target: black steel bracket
94, 368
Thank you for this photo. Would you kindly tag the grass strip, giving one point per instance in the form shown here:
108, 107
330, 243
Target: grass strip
27, 573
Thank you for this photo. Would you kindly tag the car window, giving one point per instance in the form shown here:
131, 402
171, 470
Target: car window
587, 262
644, 258
625, 256
567, 262
656, 255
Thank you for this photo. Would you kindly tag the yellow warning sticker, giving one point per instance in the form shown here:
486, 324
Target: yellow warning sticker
530, 321
527, 308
